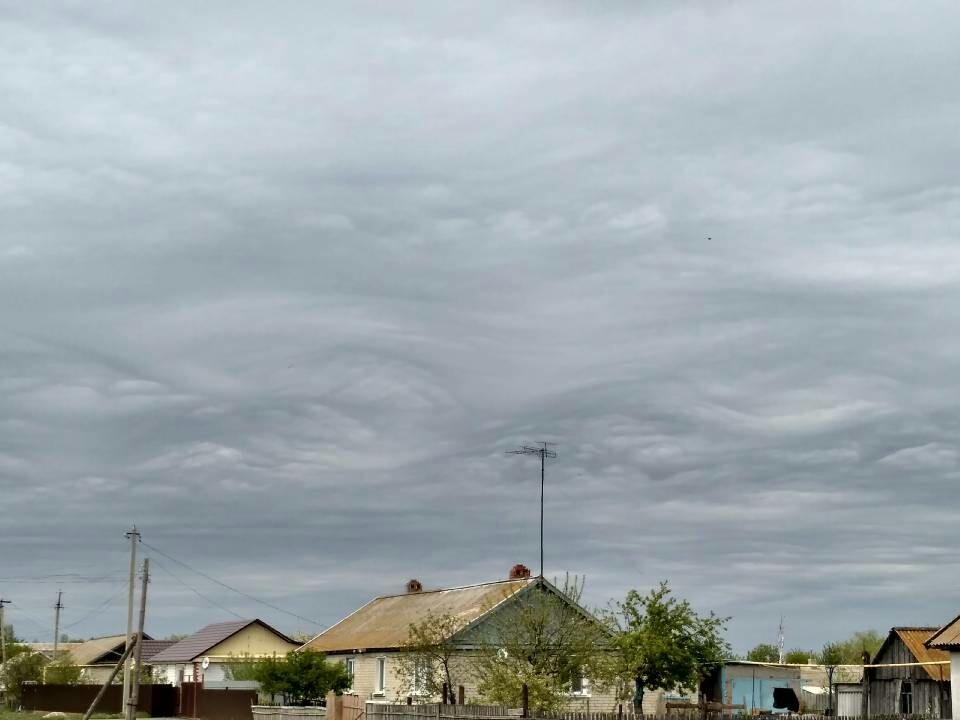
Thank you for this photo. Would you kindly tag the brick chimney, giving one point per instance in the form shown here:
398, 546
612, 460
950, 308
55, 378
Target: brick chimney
519, 572
414, 586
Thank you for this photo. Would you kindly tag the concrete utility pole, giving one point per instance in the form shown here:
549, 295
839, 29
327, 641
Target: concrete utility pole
56, 623
134, 537
131, 707
3, 636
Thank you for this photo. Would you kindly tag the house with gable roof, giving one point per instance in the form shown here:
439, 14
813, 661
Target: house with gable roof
215, 646
371, 639
915, 679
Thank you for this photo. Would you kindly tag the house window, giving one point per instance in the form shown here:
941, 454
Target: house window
420, 669
906, 698
349, 665
381, 680
579, 685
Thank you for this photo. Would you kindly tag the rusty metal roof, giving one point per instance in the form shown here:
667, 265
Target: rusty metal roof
205, 638
915, 638
947, 637
384, 622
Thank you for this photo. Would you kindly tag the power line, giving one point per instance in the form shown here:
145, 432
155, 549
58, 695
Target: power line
41, 625
197, 592
232, 589
97, 610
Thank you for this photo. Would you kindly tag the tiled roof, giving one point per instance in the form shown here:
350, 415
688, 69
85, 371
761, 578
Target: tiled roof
201, 641
152, 647
384, 622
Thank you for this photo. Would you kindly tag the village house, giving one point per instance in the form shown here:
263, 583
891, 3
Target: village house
206, 655
946, 640
97, 658
909, 689
371, 639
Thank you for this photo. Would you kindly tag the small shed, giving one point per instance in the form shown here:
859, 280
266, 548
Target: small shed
749, 687
905, 688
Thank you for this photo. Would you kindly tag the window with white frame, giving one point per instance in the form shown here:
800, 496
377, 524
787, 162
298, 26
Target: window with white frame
380, 684
349, 664
420, 669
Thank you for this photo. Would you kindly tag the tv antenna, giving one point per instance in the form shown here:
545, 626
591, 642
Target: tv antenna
544, 452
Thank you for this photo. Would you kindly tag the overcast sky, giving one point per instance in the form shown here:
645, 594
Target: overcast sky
281, 284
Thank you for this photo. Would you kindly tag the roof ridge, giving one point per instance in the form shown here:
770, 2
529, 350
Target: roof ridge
915, 627
458, 587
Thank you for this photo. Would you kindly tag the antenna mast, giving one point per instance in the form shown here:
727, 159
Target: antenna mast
544, 452
781, 640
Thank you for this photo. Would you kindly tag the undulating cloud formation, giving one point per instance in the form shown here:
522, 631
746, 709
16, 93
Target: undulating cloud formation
282, 283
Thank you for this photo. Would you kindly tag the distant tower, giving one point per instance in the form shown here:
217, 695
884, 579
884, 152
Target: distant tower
781, 639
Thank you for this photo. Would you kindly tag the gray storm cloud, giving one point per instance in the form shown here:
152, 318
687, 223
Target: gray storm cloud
281, 285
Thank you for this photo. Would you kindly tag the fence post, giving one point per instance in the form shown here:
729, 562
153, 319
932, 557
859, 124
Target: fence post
438, 708
526, 701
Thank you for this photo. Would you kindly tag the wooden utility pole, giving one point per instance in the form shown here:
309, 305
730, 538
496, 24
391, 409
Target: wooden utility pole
865, 686
3, 636
131, 708
56, 623
134, 538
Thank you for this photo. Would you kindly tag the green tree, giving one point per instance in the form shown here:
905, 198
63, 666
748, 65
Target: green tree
14, 645
62, 671
303, 676
429, 657
764, 652
832, 654
544, 639
240, 668
24, 667
799, 657
662, 642
850, 651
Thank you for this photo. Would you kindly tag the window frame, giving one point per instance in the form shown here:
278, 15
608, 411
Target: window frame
350, 664
584, 683
380, 678
906, 697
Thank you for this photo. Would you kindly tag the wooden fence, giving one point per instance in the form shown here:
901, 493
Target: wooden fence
286, 712
436, 711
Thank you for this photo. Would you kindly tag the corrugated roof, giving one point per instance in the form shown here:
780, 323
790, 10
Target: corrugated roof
915, 638
205, 638
384, 622
46, 649
947, 637
87, 653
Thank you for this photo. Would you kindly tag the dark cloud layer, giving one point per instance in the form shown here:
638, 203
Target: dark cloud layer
281, 285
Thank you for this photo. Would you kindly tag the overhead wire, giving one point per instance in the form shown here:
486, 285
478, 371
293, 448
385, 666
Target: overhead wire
197, 592
229, 587
29, 617
99, 609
